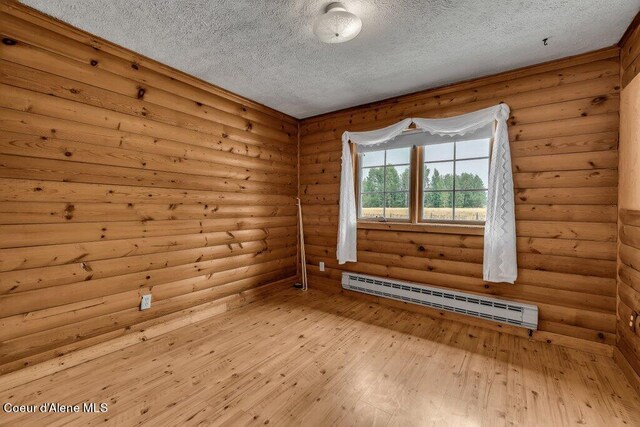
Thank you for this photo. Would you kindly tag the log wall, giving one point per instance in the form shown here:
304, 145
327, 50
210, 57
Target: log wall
628, 343
120, 177
564, 134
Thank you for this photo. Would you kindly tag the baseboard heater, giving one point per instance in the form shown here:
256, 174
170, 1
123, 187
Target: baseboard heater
498, 310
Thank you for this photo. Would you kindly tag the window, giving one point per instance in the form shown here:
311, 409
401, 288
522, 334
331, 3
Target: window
455, 177
385, 178
450, 183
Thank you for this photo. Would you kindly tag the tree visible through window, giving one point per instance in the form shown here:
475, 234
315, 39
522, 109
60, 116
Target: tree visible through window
385, 184
451, 184
455, 177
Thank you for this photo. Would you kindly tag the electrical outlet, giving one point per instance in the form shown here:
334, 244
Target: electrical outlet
321, 265
145, 303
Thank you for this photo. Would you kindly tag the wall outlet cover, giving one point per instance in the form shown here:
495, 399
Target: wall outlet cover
145, 302
321, 265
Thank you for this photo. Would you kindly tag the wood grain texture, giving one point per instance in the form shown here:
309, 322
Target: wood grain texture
628, 323
122, 177
628, 262
563, 133
317, 359
630, 52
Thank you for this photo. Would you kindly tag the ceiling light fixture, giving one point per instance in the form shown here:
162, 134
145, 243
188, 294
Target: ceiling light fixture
337, 25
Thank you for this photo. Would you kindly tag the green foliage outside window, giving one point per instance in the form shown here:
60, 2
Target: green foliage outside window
464, 199
373, 189
375, 185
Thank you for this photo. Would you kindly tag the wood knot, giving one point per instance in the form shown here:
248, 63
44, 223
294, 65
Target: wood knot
68, 211
135, 66
598, 100
94, 62
68, 153
141, 92
8, 41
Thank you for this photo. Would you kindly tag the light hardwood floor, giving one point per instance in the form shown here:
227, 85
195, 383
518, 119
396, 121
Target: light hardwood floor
319, 359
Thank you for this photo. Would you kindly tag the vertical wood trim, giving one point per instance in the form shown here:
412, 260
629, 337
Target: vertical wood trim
414, 187
627, 353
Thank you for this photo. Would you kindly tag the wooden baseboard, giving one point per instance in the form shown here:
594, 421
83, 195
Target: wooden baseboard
540, 336
625, 367
188, 317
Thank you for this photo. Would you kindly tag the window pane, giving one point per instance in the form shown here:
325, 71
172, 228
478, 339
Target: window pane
398, 178
438, 176
436, 152
374, 158
399, 156
471, 205
371, 205
472, 148
397, 206
437, 205
472, 174
372, 180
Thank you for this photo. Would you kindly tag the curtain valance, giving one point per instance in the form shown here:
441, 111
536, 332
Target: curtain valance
500, 262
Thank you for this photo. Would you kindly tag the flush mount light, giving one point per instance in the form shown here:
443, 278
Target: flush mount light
337, 25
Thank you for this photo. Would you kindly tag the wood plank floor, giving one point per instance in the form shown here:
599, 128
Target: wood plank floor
319, 359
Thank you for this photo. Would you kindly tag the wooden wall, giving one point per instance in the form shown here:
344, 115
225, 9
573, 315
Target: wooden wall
564, 135
120, 177
628, 345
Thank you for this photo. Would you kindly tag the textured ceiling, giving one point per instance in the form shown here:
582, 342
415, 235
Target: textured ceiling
265, 49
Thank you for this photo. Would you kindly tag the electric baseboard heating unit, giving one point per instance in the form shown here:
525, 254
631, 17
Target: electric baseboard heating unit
498, 310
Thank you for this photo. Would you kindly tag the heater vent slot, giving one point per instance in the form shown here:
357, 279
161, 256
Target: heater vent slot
498, 310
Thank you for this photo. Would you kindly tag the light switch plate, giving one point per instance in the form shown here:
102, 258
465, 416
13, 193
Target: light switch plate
145, 303
321, 265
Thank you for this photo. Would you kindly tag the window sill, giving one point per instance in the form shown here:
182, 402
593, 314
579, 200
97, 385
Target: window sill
464, 229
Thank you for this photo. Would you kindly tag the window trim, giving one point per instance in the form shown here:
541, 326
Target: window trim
416, 195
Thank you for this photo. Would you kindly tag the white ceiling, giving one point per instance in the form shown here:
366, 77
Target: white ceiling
265, 49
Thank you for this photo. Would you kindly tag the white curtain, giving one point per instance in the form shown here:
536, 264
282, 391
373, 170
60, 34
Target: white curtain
500, 262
